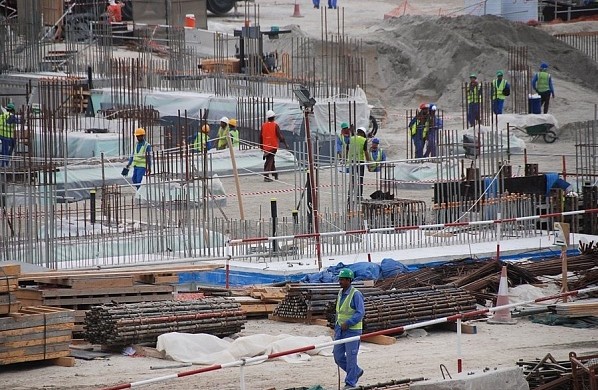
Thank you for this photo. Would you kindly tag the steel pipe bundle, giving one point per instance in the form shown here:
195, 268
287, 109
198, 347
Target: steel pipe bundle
554, 266
122, 324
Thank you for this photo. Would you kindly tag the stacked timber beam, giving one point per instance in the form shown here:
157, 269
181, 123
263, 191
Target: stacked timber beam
35, 333
9, 276
81, 289
122, 324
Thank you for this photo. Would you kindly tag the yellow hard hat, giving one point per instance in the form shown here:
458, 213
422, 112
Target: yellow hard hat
139, 131
232, 122
205, 129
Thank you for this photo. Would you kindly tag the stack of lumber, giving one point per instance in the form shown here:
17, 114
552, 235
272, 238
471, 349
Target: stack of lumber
122, 324
261, 301
80, 290
587, 307
9, 283
35, 333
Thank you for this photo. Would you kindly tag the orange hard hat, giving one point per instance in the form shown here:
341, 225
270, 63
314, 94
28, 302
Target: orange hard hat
205, 129
139, 131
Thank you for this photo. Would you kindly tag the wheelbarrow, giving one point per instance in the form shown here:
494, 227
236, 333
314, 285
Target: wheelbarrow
542, 129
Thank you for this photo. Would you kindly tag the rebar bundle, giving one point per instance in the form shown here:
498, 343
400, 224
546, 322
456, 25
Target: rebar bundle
118, 325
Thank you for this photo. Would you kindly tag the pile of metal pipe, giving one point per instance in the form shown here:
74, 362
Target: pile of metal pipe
554, 266
122, 324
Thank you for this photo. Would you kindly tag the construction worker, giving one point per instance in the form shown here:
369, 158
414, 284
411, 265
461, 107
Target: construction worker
542, 84
342, 141
114, 11
474, 98
234, 132
357, 155
223, 132
8, 124
377, 156
500, 90
270, 138
200, 141
434, 125
418, 129
141, 159
350, 310
332, 4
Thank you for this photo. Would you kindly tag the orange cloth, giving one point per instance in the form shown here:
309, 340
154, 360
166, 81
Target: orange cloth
115, 12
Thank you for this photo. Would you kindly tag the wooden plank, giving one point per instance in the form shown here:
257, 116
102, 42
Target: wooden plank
261, 308
35, 350
70, 292
380, 340
18, 345
7, 309
90, 282
10, 270
112, 272
8, 298
6, 335
75, 301
34, 357
465, 328
8, 284
64, 361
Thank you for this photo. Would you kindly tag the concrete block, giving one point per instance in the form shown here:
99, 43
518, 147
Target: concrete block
500, 379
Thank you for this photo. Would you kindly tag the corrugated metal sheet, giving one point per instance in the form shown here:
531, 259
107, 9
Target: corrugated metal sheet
515, 10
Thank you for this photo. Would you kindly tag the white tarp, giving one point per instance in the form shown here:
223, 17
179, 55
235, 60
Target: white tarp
207, 349
525, 120
288, 113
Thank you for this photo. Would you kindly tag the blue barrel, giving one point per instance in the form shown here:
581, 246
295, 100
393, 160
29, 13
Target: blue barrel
534, 105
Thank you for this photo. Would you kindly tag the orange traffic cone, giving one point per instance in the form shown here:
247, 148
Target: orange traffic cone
502, 316
296, 11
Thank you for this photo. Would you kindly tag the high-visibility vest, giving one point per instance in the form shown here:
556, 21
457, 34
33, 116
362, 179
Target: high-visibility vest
377, 159
200, 142
473, 94
543, 82
499, 88
234, 135
345, 311
356, 148
269, 137
139, 158
222, 134
418, 125
6, 130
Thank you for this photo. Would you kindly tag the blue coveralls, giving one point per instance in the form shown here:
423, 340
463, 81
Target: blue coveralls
139, 171
345, 355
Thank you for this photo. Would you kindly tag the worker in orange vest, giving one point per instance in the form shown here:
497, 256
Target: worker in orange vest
270, 136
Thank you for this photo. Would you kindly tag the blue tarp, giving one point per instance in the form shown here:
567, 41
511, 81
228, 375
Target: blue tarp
362, 271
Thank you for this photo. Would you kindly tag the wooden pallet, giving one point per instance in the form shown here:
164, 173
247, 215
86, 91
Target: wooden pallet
35, 333
9, 283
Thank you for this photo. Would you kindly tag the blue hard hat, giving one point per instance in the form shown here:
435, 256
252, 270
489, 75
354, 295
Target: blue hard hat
543, 65
375, 141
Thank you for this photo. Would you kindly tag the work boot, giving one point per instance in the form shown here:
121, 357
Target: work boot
267, 178
275, 176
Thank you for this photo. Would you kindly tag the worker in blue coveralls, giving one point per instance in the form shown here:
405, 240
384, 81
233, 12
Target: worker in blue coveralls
434, 124
141, 159
418, 129
342, 141
474, 99
332, 4
377, 156
500, 90
542, 84
8, 122
350, 310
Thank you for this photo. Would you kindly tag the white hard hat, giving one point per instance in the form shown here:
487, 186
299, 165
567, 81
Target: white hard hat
224, 119
270, 114
362, 128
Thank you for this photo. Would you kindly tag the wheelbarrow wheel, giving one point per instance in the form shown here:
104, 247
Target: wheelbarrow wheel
550, 137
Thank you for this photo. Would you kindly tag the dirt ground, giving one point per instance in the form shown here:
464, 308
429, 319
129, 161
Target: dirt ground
411, 356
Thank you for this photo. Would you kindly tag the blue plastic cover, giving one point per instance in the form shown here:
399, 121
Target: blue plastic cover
362, 270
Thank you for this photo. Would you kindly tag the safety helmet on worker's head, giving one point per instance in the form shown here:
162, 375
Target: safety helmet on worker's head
205, 128
139, 131
423, 106
375, 141
499, 73
224, 119
346, 273
270, 114
232, 122
10, 106
543, 65
432, 106
344, 125
473, 76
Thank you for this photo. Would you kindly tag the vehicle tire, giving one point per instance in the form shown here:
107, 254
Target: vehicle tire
220, 7
550, 137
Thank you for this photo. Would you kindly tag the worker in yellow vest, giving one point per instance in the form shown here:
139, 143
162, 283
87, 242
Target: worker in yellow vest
200, 141
357, 155
474, 99
223, 131
141, 159
350, 310
8, 124
377, 156
234, 132
542, 84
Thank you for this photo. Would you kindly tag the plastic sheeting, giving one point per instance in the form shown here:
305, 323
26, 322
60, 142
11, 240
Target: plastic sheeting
288, 113
362, 271
207, 349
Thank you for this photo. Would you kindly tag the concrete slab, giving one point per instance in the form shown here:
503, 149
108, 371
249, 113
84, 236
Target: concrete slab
499, 379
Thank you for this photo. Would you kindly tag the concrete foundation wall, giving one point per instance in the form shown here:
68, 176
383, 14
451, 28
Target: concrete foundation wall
500, 379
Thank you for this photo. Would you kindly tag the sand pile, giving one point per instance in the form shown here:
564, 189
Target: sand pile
414, 58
